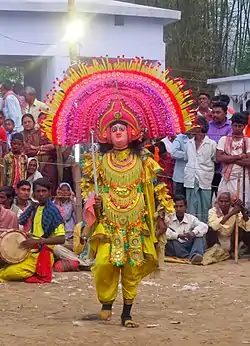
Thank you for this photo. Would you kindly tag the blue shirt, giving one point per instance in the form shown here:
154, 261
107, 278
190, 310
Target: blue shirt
179, 154
12, 110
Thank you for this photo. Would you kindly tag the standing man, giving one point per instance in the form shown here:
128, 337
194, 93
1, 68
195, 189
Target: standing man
199, 171
226, 99
204, 109
3, 136
179, 154
33, 107
47, 230
3, 147
11, 106
234, 153
248, 105
220, 126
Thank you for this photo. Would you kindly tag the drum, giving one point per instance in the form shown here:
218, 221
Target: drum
10, 250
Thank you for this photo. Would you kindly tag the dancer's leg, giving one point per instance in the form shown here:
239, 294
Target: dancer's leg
106, 279
130, 278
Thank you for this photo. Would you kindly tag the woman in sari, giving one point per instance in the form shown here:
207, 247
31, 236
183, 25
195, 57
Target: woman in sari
36, 144
65, 203
32, 171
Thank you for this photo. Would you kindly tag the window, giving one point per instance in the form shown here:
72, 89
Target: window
119, 21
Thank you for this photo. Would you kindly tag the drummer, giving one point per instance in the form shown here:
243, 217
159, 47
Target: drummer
47, 230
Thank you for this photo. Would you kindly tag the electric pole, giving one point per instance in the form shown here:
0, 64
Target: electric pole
73, 54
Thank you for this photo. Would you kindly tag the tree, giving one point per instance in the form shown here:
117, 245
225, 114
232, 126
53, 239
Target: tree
211, 40
13, 74
243, 64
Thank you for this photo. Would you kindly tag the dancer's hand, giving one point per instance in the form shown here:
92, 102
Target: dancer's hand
161, 227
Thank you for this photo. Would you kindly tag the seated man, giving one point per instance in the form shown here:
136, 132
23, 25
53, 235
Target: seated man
221, 222
80, 255
22, 201
8, 219
185, 234
47, 230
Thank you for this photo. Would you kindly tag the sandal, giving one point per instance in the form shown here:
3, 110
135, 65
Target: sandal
129, 323
104, 315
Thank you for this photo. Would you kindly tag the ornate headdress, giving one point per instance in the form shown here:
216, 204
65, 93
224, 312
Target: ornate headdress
118, 113
135, 92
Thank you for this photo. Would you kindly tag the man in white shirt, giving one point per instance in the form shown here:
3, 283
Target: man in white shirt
185, 234
11, 106
234, 153
199, 170
34, 107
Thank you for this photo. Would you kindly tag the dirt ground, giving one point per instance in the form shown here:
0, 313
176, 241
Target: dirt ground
187, 306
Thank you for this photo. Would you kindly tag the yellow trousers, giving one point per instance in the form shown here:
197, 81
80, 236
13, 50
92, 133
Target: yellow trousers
21, 271
107, 276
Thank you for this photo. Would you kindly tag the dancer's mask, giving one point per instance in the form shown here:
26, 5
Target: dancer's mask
117, 125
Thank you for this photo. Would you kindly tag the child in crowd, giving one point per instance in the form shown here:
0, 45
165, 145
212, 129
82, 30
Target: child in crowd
10, 129
64, 201
15, 163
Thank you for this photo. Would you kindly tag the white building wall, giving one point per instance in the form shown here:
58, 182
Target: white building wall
234, 88
52, 68
138, 37
41, 34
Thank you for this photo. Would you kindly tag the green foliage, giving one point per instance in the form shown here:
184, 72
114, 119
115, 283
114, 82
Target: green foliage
211, 40
12, 74
243, 64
